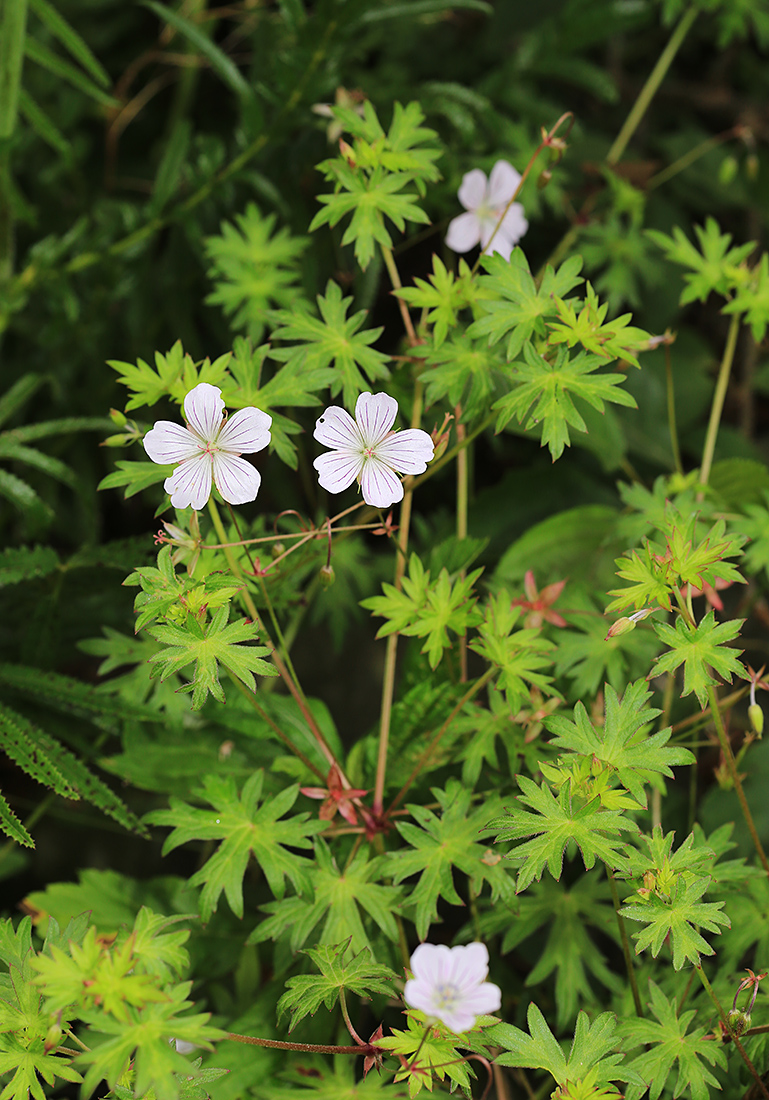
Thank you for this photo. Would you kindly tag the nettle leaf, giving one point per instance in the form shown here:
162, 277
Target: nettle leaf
444, 297
253, 269
670, 1043
554, 823
246, 828
439, 843
677, 915
700, 648
210, 645
361, 975
175, 374
546, 393
427, 609
716, 268
333, 344
622, 742
518, 654
591, 1062
514, 303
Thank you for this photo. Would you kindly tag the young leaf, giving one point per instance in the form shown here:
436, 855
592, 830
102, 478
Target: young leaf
700, 648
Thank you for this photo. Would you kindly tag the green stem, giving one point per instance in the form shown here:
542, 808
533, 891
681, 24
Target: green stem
732, 768
649, 90
13, 31
672, 426
689, 158
728, 1031
463, 479
625, 942
346, 1018
718, 399
395, 279
247, 694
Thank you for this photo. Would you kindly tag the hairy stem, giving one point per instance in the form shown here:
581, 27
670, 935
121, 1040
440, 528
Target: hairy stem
306, 1048
346, 1018
728, 1030
625, 942
718, 399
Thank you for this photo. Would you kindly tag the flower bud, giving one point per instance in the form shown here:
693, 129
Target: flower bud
118, 419
348, 153
52, 1037
117, 440
756, 716
738, 1021
277, 549
326, 575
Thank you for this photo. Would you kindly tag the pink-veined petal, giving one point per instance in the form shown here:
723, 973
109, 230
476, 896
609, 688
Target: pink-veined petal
337, 470
379, 484
408, 452
464, 233
190, 483
337, 429
430, 962
473, 189
169, 442
469, 964
375, 415
203, 408
246, 431
503, 183
237, 480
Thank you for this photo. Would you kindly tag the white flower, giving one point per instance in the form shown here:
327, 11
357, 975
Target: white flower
367, 450
209, 448
449, 984
484, 202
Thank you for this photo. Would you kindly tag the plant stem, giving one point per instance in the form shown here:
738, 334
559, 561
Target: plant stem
718, 399
671, 395
306, 1048
396, 282
728, 1030
346, 1018
462, 502
649, 90
388, 678
726, 748
13, 31
625, 942
689, 158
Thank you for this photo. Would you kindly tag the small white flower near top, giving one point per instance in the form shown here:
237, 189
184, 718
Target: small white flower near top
209, 449
449, 984
367, 450
485, 201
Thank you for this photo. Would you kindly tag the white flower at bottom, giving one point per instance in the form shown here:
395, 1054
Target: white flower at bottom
450, 984
209, 449
485, 203
367, 450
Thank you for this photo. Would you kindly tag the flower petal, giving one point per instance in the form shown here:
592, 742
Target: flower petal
169, 442
429, 962
464, 233
408, 452
245, 432
190, 483
203, 408
473, 189
469, 964
337, 470
379, 484
375, 415
503, 183
236, 479
337, 429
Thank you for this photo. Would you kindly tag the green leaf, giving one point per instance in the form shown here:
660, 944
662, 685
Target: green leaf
465, 372
12, 827
25, 562
439, 843
753, 300
333, 341
41, 55
175, 374
547, 391
136, 476
698, 649
246, 827
715, 268
42, 125
224, 68
70, 40
622, 742
307, 992
416, 8
444, 297
612, 340
68, 695
520, 655
556, 822
678, 916
429, 1053
669, 1043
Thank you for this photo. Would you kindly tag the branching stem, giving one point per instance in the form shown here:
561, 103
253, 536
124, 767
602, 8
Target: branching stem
728, 1031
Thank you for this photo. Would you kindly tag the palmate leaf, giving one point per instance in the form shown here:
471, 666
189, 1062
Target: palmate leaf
554, 823
174, 375
424, 1053
208, 646
612, 339
332, 341
28, 1066
465, 372
622, 742
520, 655
700, 648
440, 843
546, 393
444, 296
669, 1043
305, 993
590, 1062
677, 916
245, 828
715, 268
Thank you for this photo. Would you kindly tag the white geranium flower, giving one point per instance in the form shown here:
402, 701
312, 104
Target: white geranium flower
209, 448
450, 984
367, 450
485, 200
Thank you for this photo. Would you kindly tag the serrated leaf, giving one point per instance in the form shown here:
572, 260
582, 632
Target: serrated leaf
700, 648
305, 993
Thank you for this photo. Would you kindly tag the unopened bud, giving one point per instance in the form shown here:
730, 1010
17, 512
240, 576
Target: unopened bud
326, 575
628, 623
756, 716
347, 152
52, 1038
277, 549
118, 418
544, 179
738, 1021
117, 440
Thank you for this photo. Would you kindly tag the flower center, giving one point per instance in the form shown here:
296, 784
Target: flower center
446, 995
368, 452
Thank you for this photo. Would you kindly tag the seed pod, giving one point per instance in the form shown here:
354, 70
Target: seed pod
327, 576
738, 1021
